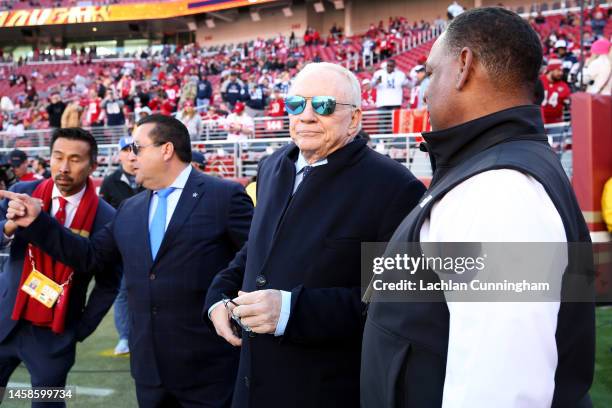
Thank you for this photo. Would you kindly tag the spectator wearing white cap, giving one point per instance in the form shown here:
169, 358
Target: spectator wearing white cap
598, 72
142, 112
240, 126
567, 58
417, 93
368, 95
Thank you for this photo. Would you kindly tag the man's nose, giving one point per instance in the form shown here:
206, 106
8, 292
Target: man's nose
308, 115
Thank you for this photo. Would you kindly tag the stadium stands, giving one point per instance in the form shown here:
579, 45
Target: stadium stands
276, 59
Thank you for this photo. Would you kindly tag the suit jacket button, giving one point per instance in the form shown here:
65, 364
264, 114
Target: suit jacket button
152, 276
246, 381
260, 281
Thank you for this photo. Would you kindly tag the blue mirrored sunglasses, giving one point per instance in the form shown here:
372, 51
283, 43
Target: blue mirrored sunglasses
322, 105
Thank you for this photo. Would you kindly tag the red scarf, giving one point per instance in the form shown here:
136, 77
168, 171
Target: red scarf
30, 309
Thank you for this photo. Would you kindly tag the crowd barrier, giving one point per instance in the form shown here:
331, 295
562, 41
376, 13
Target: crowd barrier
240, 160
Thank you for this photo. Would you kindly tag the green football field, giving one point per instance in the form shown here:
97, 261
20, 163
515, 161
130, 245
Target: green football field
104, 380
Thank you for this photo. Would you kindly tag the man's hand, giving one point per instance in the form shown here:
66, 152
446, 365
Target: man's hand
220, 318
22, 209
259, 310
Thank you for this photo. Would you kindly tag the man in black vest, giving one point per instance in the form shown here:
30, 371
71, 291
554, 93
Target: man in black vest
495, 180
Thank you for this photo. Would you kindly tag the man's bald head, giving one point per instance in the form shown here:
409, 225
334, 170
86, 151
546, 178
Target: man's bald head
351, 88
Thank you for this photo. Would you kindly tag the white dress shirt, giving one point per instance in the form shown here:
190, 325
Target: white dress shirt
499, 351
72, 203
173, 197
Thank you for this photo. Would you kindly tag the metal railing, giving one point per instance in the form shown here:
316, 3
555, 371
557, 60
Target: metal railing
232, 159
265, 127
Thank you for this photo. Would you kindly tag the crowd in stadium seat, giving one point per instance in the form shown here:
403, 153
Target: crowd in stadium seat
561, 40
257, 74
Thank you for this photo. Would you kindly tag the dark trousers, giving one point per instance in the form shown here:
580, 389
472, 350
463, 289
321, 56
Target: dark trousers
217, 395
46, 368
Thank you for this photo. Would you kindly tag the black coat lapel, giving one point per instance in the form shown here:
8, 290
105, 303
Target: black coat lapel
190, 197
284, 179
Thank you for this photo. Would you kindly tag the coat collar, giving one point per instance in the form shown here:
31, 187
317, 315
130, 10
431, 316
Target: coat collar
346, 155
452, 146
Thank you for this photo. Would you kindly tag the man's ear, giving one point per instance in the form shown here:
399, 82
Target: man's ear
168, 150
355, 121
466, 67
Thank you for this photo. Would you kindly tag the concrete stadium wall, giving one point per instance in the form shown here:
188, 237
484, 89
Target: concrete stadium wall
355, 18
364, 12
243, 28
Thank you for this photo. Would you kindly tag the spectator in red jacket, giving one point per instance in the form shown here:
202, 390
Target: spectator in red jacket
368, 95
276, 107
556, 92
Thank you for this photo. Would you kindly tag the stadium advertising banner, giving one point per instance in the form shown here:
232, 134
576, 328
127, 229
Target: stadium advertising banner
116, 12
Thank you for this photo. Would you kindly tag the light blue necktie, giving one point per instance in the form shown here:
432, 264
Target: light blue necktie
158, 225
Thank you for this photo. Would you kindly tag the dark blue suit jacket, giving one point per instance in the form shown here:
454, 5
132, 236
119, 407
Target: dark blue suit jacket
310, 244
169, 343
82, 317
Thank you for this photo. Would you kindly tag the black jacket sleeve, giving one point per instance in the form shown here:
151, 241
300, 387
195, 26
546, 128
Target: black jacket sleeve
93, 255
229, 280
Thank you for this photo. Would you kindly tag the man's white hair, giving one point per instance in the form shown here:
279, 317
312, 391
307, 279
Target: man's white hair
355, 91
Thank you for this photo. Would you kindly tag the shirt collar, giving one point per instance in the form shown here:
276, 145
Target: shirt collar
181, 180
74, 199
301, 163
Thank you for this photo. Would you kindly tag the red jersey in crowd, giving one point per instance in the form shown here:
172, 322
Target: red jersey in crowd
368, 98
414, 97
94, 110
126, 87
155, 104
276, 107
172, 92
555, 96
167, 107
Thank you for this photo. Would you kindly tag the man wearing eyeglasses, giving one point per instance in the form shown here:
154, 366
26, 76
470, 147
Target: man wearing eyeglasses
295, 287
172, 239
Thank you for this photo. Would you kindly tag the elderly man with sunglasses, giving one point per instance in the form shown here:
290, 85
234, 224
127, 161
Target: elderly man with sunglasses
291, 296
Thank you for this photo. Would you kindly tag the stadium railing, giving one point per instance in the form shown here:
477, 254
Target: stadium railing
265, 127
240, 160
